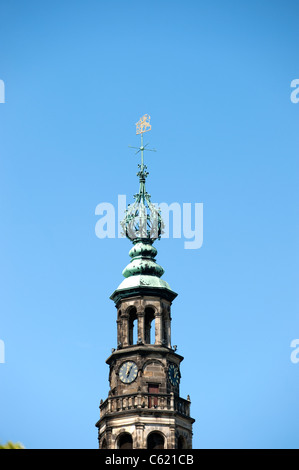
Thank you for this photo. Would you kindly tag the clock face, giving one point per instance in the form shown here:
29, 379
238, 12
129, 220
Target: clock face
173, 374
128, 372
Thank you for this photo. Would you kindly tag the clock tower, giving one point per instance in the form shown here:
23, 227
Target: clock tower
144, 409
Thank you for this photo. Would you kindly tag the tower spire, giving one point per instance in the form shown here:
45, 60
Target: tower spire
142, 224
142, 221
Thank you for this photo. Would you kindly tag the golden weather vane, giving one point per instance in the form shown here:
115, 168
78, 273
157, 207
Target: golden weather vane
143, 125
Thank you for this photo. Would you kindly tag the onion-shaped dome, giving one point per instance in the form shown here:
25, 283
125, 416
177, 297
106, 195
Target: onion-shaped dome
143, 261
143, 221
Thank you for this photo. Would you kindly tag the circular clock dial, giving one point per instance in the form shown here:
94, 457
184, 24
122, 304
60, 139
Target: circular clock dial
128, 372
173, 374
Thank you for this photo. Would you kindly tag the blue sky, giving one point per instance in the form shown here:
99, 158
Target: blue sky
215, 78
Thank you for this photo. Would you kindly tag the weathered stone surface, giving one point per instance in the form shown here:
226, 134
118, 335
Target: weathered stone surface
131, 407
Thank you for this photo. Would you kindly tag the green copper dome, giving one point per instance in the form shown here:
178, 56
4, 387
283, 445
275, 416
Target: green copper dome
143, 261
